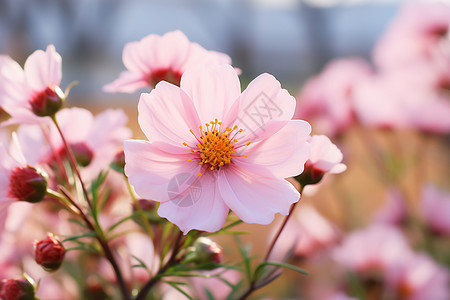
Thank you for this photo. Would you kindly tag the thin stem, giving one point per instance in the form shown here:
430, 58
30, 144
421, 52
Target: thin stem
253, 284
141, 212
172, 260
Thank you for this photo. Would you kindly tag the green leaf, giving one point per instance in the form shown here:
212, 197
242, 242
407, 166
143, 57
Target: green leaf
281, 265
76, 237
175, 286
245, 257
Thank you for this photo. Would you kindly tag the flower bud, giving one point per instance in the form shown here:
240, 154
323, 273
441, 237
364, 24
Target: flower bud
310, 175
148, 207
27, 184
204, 252
4, 116
83, 155
49, 253
118, 162
47, 102
16, 289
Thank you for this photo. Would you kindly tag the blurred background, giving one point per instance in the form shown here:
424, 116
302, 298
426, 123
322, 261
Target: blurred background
291, 39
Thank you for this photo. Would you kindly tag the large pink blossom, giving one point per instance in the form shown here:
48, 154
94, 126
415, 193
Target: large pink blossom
326, 99
436, 209
22, 90
210, 151
155, 58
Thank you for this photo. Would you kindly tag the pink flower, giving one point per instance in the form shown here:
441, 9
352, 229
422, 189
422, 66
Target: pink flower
436, 209
393, 212
326, 100
207, 153
418, 33
417, 278
94, 140
33, 91
374, 248
325, 158
213, 285
155, 58
306, 233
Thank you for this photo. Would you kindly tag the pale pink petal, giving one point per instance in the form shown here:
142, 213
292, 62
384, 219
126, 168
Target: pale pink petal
253, 199
43, 69
108, 127
213, 89
167, 115
263, 102
151, 171
282, 159
75, 123
13, 89
200, 207
126, 83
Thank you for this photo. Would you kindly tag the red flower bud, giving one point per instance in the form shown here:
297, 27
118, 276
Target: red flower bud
47, 102
16, 289
310, 175
83, 155
27, 184
49, 253
118, 162
205, 252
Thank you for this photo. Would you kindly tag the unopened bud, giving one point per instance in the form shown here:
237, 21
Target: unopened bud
47, 102
148, 209
16, 289
118, 162
49, 253
83, 154
310, 175
27, 184
204, 252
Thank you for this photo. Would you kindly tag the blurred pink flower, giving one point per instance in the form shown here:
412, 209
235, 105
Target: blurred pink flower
373, 248
393, 212
208, 154
94, 140
409, 97
418, 278
306, 233
25, 90
419, 32
436, 209
155, 58
326, 99
205, 287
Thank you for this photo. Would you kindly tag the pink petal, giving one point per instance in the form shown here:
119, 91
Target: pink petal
200, 207
283, 158
263, 102
151, 170
126, 83
108, 127
213, 89
75, 123
12, 83
167, 115
43, 69
255, 199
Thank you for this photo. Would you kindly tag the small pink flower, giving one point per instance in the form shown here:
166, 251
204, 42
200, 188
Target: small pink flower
436, 209
374, 248
325, 158
34, 90
207, 153
155, 58
306, 233
326, 99
417, 278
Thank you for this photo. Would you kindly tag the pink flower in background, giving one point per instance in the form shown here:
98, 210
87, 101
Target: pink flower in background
155, 58
418, 278
409, 97
33, 90
207, 153
373, 248
393, 212
435, 205
306, 233
326, 99
94, 140
419, 33
213, 285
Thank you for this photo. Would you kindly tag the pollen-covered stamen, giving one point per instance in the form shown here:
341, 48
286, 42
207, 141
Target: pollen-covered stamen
216, 146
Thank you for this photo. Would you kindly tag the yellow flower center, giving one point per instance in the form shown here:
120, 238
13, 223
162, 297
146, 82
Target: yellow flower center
216, 146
